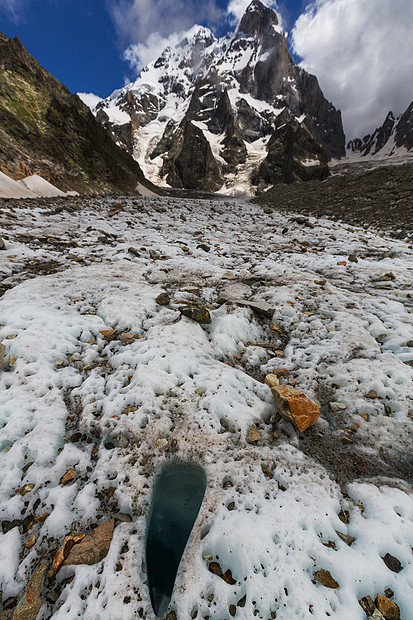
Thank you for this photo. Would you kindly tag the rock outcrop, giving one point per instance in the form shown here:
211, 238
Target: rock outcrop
190, 163
46, 130
293, 155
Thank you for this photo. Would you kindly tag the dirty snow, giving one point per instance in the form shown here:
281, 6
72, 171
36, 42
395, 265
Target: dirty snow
33, 186
271, 510
40, 187
12, 189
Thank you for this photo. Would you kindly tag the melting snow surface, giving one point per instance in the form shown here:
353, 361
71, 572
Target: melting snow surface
270, 512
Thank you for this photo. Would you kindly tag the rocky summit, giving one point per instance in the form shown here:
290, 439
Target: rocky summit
234, 114
46, 130
393, 138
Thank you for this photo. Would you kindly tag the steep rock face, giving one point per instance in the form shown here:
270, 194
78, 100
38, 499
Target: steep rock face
394, 137
232, 89
404, 129
191, 164
46, 130
293, 155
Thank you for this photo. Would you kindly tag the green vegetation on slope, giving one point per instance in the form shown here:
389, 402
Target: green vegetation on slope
45, 129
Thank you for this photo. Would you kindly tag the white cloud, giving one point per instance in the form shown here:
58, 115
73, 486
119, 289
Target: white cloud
362, 54
136, 20
13, 7
90, 99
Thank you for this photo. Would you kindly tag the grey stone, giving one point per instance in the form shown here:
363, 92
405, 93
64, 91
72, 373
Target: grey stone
2, 352
392, 563
260, 307
123, 442
367, 605
335, 407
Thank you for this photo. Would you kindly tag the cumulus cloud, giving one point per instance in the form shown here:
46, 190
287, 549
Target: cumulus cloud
362, 53
147, 26
90, 99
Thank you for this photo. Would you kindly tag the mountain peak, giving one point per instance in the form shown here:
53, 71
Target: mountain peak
257, 18
197, 35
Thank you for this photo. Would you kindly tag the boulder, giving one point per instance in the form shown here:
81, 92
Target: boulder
367, 605
392, 563
295, 407
93, 547
387, 608
200, 315
259, 307
272, 381
29, 606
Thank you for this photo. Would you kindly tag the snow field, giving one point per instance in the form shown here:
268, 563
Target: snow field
200, 388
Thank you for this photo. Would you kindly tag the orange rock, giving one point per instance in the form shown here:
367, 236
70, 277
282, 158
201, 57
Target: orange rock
386, 607
29, 606
30, 543
342, 262
93, 547
63, 552
295, 407
281, 372
68, 476
324, 577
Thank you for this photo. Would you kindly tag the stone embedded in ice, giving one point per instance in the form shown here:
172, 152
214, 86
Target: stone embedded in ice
93, 547
295, 407
387, 608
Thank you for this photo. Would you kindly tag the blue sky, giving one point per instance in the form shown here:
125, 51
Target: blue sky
360, 51
81, 43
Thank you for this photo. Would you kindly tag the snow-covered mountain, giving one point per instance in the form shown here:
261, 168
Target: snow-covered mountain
394, 138
224, 113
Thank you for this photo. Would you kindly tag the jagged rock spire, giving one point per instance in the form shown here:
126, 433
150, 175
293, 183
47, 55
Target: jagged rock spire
257, 19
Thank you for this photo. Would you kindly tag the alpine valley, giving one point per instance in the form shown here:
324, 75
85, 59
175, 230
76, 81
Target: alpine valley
234, 114
205, 398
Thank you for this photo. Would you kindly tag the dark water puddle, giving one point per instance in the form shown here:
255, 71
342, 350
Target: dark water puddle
176, 501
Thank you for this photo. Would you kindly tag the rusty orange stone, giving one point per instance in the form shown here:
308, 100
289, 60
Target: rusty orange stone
295, 407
